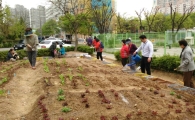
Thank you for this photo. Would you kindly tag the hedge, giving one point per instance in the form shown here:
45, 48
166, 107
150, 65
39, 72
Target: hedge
46, 52
165, 63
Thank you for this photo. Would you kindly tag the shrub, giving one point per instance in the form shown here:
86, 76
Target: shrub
45, 52
165, 63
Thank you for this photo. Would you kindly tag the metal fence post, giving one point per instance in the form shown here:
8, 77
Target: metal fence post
165, 42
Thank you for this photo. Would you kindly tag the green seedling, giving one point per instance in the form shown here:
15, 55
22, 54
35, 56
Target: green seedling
64, 62
66, 109
179, 96
46, 69
57, 63
3, 80
61, 97
69, 69
58, 69
80, 68
2, 92
80, 75
60, 92
46, 80
172, 93
87, 84
84, 78
62, 79
70, 77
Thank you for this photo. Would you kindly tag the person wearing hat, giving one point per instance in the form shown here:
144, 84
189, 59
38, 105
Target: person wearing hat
31, 42
124, 53
131, 48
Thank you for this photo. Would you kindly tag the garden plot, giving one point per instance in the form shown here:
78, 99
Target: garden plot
83, 89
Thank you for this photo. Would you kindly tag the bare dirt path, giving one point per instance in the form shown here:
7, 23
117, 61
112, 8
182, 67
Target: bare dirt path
23, 93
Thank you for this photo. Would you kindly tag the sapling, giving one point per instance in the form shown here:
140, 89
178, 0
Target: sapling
66, 109
60, 92
61, 97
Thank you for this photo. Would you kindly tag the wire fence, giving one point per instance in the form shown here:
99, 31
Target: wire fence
112, 42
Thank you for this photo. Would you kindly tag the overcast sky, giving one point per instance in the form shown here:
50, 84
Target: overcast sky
123, 6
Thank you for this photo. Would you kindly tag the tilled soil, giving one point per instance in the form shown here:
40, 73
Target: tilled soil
34, 94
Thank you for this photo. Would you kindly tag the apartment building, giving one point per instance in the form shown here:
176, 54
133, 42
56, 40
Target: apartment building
21, 12
180, 5
38, 16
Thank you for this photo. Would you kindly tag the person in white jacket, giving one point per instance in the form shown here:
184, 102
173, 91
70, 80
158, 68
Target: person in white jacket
147, 52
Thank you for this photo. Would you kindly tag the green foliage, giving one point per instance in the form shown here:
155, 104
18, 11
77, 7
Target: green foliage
172, 93
117, 56
66, 109
2, 92
62, 78
3, 80
61, 97
70, 77
166, 63
85, 49
50, 28
60, 92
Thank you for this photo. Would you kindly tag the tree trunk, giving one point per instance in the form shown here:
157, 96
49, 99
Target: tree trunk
76, 42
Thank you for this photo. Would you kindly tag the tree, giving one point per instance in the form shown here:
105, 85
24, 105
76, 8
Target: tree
5, 22
102, 12
150, 17
177, 23
70, 6
74, 24
161, 23
50, 28
139, 15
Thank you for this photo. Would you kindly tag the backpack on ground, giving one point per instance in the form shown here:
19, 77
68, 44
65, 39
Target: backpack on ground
101, 45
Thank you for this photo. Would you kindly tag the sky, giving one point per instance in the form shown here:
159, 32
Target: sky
126, 7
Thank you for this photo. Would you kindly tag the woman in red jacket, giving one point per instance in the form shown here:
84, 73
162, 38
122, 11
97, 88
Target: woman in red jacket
124, 53
99, 49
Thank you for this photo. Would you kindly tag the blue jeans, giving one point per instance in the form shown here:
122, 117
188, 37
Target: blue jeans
130, 61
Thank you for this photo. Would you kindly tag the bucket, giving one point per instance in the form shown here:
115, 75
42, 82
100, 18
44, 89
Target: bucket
136, 58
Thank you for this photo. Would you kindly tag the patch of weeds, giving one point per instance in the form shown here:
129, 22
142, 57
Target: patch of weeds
57, 63
64, 62
66, 109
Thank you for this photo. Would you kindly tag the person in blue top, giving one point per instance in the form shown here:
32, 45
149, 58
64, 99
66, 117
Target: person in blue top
62, 51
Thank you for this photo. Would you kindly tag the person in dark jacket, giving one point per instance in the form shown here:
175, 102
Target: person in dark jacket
12, 55
124, 53
89, 41
52, 49
131, 48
